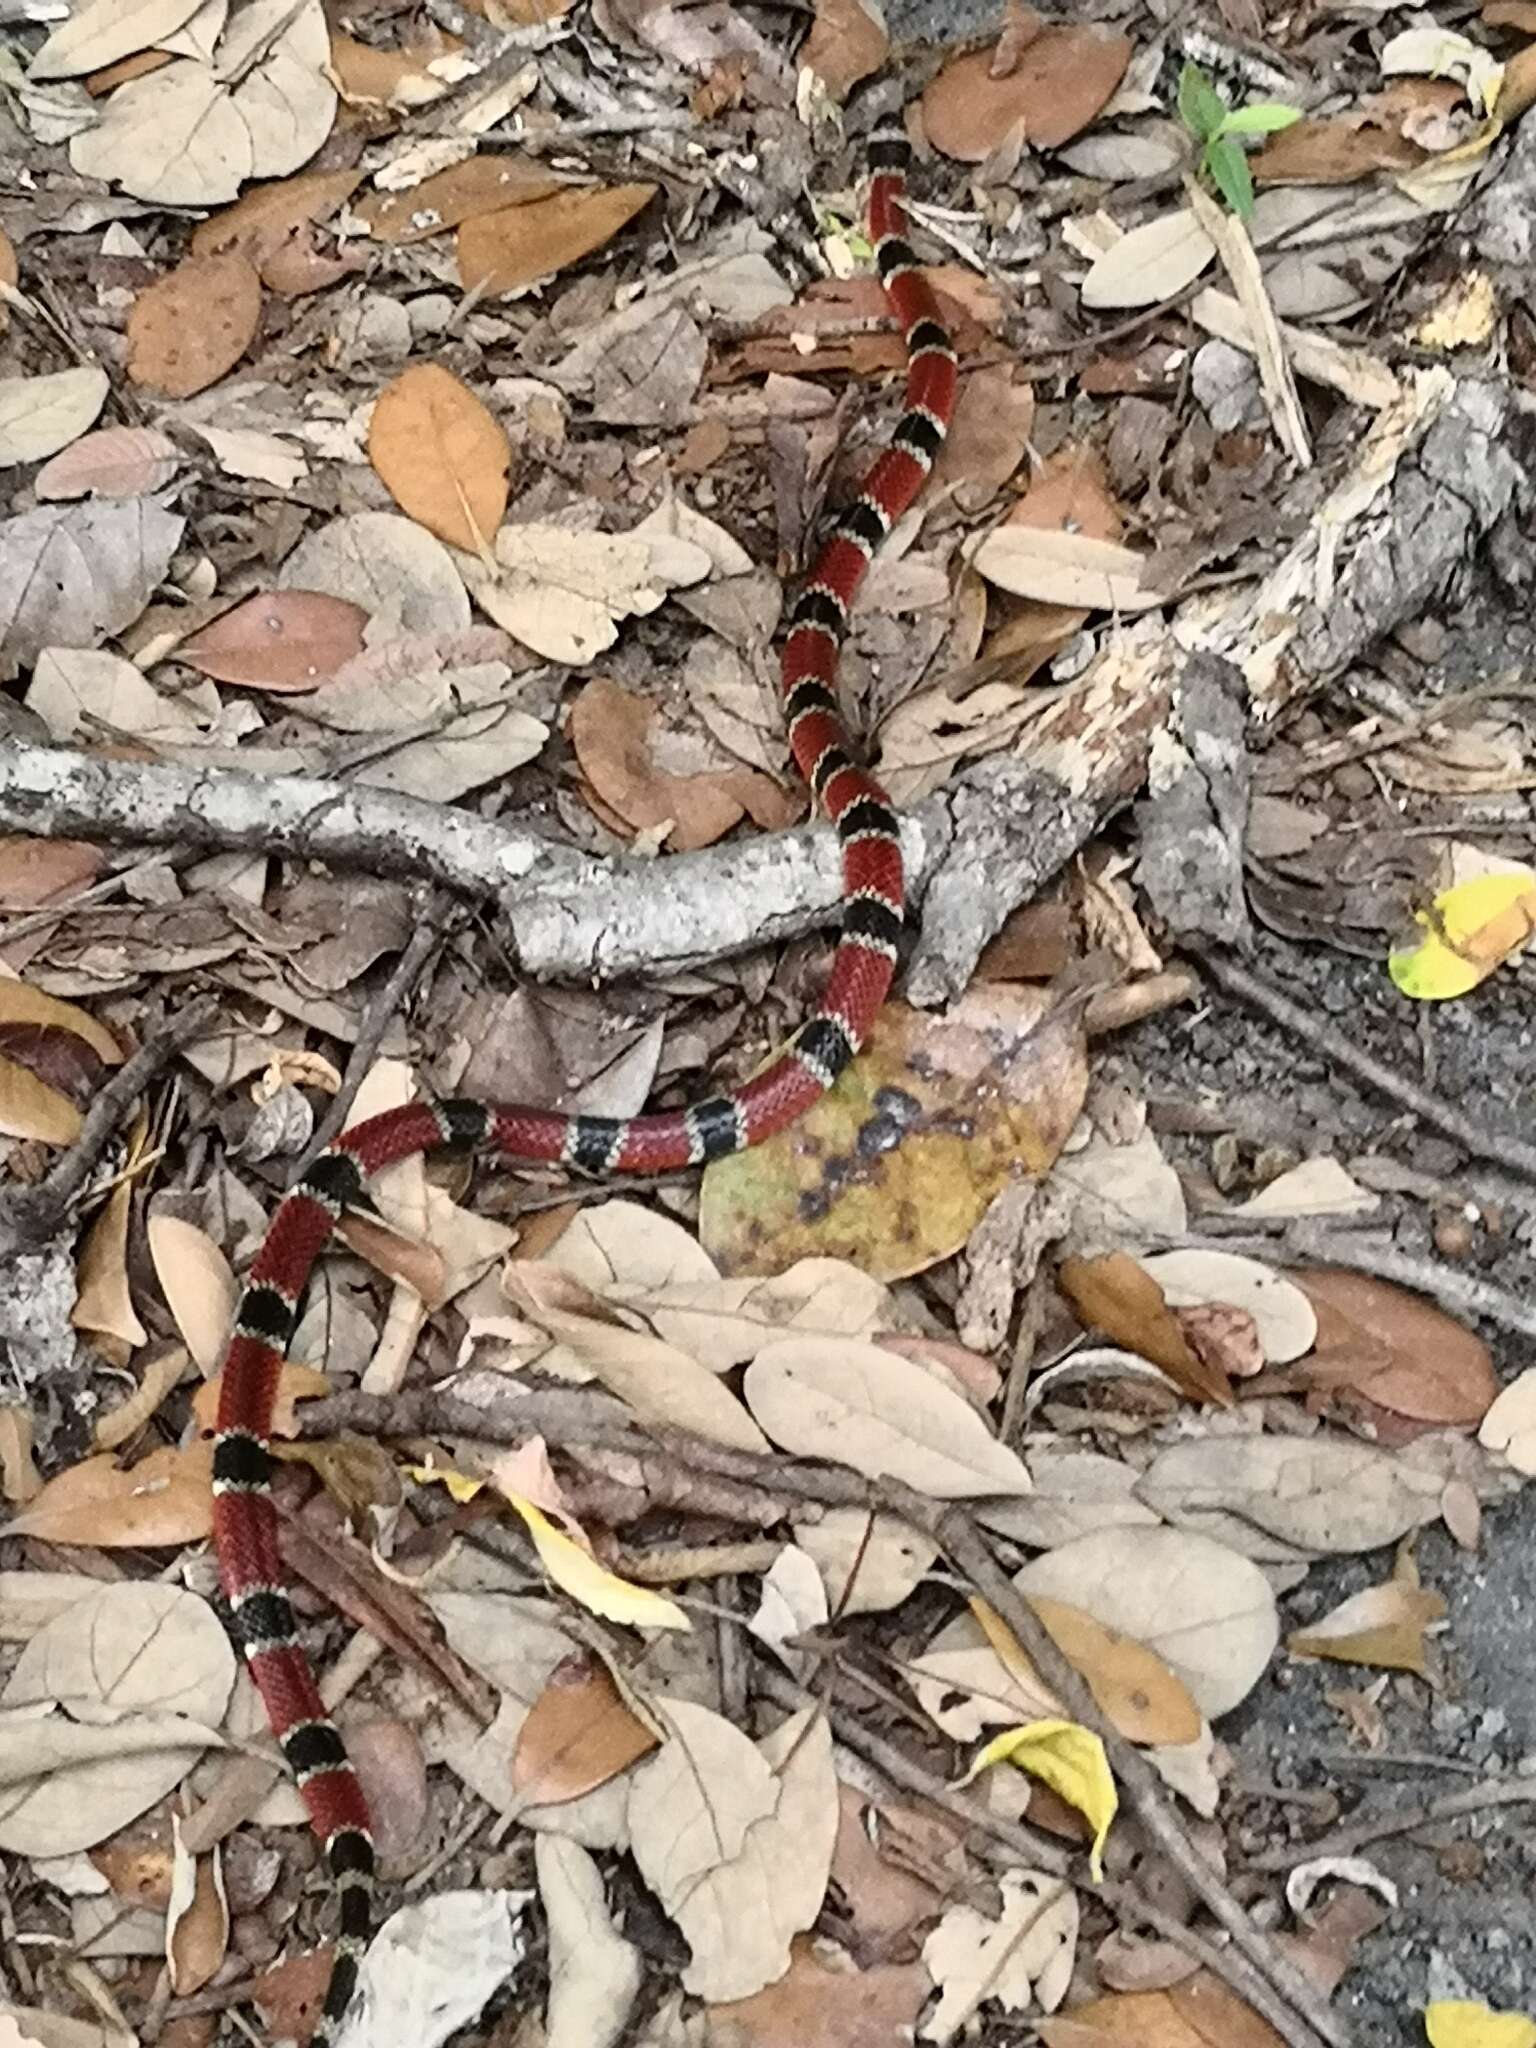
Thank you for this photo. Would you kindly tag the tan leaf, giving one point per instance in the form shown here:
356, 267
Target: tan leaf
1383, 1626
175, 137
36, 871
199, 1288
848, 41
1154, 261
1132, 1685
1200, 2013
114, 462
279, 640
101, 31
104, 1308
397, 78
442, 455
594, 1973
512, 249
1285, 1319
192, 326
1021, 1957
1058, 79
881, 1414
29, 1108
560, 593
41, 415
1208, 1613
578, 1734
165, 1499
268, 224
197, 1920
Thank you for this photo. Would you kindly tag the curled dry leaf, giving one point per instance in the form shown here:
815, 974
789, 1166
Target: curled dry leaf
1382, 1627
114, 462
881, 1414
279, 640
894, 1167
434, 1963
560, 593
1396, 1348
193, 325
1208, 1613
443, 456
1021, 1958
388, 1759
611, 728
1509, 1427
517, 247
197, 1920
41, 415
1043, 84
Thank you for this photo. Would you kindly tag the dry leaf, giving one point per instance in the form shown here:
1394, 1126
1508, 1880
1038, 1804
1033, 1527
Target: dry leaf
879, 1413
594, 1974
197, 1920
165, 1499
521, 245
193, 325
199, 1288
1065, 569
150, 1666
99, 32
560, 592
1153, 262
578, 1734
1382, 1627
41, 415
1116, 1295
814, 2005
71, 574
114, 462
481, 184
1199, 2013
270, 225
1060, 77
848, 41
1208, 1613
735, 1840
610, 729
442, 455
104, 1307
1070, 1759
279, 640
1022, 1958
1133, 1686
1283, 1316
1327, 1494
1396, 1348
1509, 1426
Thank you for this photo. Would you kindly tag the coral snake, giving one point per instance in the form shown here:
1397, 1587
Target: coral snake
244, 1517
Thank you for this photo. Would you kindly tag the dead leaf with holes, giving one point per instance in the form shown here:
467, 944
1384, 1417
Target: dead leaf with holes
520, 245
612, 732
1020, 1957
893, 1168
1041, 83
442, 455
279, 640
562, 593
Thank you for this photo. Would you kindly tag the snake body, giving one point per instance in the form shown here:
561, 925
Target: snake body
245, 1519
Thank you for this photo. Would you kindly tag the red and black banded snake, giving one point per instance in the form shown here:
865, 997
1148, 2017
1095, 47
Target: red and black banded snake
245, 1520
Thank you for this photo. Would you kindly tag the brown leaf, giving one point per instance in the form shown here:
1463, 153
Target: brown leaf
1070, 495
443, 456
34, 871
1201, 2013
988, 435
1116, 1295
104, 1308
289, 1995
481, 184
848, 41
193, 325
509, 250
1396, 1349
397, 78
1060, 79
114, 462
10, 270
272, 226
197, 1929
812, 2006
1382, 1627
167, 1498
279, 640
579, 1733
610, 729
1333, 152
29, 1108
388, 1759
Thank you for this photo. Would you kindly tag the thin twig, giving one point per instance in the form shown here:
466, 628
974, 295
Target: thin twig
30, 1216
1358, 1833
1228, 973
432, 913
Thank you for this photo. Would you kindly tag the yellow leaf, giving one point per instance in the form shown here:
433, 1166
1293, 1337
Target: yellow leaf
460, 1486
1459, 2023
577, 1572
1071, 1760
1468, 931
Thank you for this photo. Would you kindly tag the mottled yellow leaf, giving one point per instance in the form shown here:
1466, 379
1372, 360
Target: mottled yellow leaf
577, 1572
1468, 931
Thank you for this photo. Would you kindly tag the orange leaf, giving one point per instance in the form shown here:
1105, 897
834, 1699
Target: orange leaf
579, 1733
192, 326
1116, 1295
481, 184
1058, 80
507, 251
442, 455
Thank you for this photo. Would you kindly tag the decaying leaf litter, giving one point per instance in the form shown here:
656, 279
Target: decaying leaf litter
1078, 1432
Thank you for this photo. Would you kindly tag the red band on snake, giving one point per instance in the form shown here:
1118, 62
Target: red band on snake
245, 1521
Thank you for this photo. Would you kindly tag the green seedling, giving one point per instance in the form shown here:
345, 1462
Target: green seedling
1220, 130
